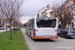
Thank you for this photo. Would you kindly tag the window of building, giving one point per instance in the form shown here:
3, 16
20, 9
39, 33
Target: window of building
62, 9
70, 3
68, 0
74, 11
74, 21
66, 5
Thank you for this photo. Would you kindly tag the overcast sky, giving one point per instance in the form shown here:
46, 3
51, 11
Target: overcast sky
31, 7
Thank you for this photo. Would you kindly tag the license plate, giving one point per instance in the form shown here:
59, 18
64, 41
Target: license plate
46, 36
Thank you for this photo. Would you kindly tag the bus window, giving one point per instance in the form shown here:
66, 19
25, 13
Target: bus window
31, 24
46, 23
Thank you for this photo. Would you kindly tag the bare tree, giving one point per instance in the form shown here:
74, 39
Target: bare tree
74, 1
64, 15
11, 10
15, 22
2, 16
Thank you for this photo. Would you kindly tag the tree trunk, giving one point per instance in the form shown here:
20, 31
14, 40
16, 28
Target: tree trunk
14, 27
10, 31
14, 31
6, 26
72, 24
63, 26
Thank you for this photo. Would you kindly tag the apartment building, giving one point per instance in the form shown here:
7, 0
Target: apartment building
46, 11
69, 5
3, 23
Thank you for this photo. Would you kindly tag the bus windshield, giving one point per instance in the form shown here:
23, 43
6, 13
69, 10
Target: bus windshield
46, 23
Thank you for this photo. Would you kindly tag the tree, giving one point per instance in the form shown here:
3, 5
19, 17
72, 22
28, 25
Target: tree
64, 15
15, 23
11, 10
74, 1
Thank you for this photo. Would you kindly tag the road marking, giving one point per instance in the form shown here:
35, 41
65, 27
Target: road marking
65, 47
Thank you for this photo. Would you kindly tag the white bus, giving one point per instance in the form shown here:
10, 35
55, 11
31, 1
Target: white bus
42, 28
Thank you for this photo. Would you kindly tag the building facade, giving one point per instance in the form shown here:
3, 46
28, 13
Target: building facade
69, 5
46, 11
42, 12
3, 23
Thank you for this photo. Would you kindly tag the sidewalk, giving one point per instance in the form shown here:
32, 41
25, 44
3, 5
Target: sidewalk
3, 30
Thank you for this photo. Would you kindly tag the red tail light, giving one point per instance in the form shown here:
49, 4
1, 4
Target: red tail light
34, 31
67, 31
57, 31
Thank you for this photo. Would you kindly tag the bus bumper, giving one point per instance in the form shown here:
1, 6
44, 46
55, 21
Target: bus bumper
46, 37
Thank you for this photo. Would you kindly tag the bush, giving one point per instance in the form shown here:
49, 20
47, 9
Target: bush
59, 26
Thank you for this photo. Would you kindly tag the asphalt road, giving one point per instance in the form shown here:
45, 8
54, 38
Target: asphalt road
47, 44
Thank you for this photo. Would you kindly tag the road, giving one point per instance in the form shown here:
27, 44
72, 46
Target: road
46, 44
3, 30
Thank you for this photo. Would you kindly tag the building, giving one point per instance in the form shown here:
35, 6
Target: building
50, 11
42, 12
3, 23
46, 11
69, 5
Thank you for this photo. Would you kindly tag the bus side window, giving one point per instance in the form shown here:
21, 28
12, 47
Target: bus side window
32, 24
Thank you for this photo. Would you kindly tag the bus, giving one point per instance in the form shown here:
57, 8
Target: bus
42, 28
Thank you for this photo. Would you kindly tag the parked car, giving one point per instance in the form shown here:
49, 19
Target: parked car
16, 28
12, 28
1, 28
5, 27
59, 31
68, 33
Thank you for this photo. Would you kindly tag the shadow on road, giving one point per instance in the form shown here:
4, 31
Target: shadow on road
44, 40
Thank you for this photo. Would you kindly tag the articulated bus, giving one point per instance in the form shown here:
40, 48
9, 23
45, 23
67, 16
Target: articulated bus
42, 28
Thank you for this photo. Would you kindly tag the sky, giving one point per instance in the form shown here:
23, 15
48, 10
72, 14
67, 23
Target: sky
31, 7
